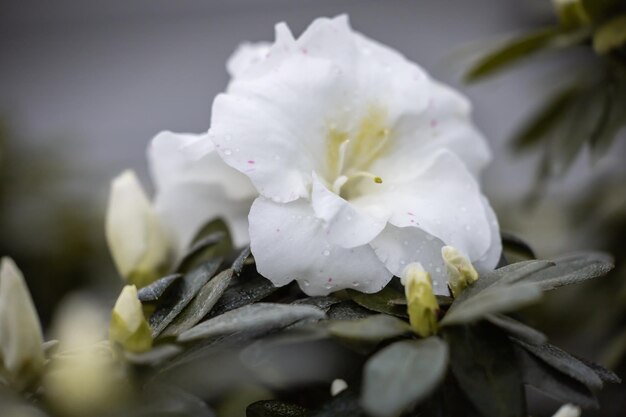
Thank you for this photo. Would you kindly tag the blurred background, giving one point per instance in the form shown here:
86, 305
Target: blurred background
86, 85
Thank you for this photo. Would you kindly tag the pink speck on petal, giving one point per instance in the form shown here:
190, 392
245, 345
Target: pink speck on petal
277, 230
305, 51
433, 123
251, 161
410, 214
412, 221
330, 279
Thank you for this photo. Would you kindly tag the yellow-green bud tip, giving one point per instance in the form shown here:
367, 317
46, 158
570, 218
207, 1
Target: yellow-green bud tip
461, 273
421, 301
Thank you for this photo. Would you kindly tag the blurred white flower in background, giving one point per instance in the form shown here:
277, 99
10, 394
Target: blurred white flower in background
21, 339
363, 163
194, 186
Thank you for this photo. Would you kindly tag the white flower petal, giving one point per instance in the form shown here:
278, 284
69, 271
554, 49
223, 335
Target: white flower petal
246, 55
346, 225
398, 247
289, 242
187, 207
441, 197
489, 260
194, 186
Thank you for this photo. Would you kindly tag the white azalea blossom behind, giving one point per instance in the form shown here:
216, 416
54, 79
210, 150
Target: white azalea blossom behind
363, 163
192, 190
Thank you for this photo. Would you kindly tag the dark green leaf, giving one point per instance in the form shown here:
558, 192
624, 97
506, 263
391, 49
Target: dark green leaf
153, 292
506, 275
258, 316
517, 329
245, 289
347, 310
370, 329
181, 294
201, 305
484, 363
565, 363
571, 269
520, 48
203, 250
495, 299
553, 383
275, 408
606, 375
380, 302
239, 263
599, 9
322, 302
403, 374
155, 355
613, 117
544, 120
611, 35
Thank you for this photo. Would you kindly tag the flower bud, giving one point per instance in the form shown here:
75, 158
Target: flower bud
338, 386
571, 13
421, 301
460, 270
21, 339
129, 327
568, 410
134, 233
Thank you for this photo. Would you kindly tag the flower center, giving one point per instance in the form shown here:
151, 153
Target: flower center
349, 154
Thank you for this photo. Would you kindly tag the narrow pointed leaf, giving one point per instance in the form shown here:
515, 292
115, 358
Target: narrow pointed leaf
381, 302
483, 362
153, 292
275, 408
402, 375
244, 290
258, 317
177, 299
518, 329
495, 299
565, 363
201, 305
370, 329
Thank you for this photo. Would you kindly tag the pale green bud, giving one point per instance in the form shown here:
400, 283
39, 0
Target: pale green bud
136, 238
21, 339
568, 410
571, 13
129, 327
459, 269
421, 301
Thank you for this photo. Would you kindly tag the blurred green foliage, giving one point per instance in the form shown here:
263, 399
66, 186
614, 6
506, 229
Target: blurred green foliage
54, 234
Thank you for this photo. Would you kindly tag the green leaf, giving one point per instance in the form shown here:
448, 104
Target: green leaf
542, 122
204, 250
571, 269
181, 294
347, 310
153, 292
565, 363
402, 375
240, 261
275, 408
201, 305
154, 356
599, 9
522, 47
484, 363
613, 118
322, 302
606, 375
383, 301
546, 379
611, 35
261, 317
245, 289
370, 329
495, 299
507, 274
517, 329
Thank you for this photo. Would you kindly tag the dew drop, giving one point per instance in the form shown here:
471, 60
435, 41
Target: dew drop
326, 252
355, 284
438, 269
348, 218
402, 262
228, 152
405, 243
306, 283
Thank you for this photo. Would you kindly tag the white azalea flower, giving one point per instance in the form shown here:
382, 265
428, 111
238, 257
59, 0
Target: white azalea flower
194, 186
363, 163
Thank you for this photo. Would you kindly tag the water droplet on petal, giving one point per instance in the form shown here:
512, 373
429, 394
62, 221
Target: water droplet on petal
355, 284
228, 152
326, 252
405, 243
306, 283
